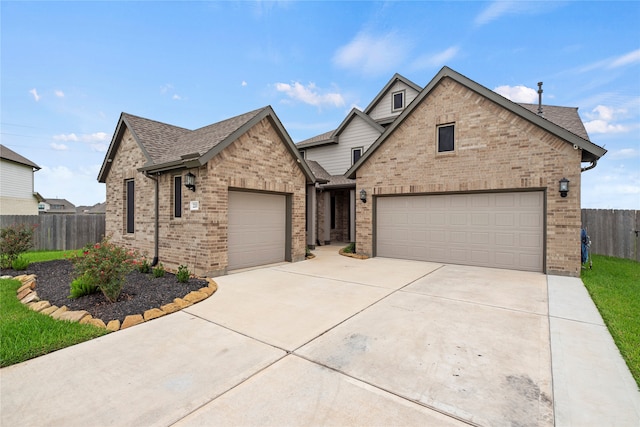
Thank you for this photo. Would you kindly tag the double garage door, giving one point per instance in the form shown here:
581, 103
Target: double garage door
257, 229
504, 230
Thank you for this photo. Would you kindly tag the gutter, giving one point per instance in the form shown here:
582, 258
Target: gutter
591, 166
157, 219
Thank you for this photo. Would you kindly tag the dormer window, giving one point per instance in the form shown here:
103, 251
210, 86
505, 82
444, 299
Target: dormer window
398, 101
356, 153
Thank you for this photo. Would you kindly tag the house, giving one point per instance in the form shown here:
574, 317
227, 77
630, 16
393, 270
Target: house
97, 209
226, 196
56, 206
17, 196
330, 155
459, 175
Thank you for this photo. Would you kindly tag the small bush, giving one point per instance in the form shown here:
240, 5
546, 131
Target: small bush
106, 265
19, 264
158, 271
350, 248
14, 240
183, 274
82, 286
144, 266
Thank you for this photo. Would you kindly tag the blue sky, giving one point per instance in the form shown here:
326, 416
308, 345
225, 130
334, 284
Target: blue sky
68, 69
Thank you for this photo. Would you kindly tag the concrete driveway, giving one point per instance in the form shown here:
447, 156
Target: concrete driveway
339, 341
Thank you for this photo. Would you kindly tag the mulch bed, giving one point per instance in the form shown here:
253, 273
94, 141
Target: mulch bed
141, 292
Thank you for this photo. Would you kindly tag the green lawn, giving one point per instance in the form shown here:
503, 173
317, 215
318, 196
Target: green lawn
614, 286
27, 334
39, 256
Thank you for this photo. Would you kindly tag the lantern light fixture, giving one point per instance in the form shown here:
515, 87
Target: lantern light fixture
564, 187
190, 181
363, 196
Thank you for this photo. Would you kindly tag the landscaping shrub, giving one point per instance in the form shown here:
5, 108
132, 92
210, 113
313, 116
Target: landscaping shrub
183, 274
19, 264
158, 271
14, 240
82, 286
144, 266
350, 248
106, 265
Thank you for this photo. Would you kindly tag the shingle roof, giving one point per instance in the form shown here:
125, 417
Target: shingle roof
8, 154
329, 181
324, 138
169, 147
566, 117
590, 151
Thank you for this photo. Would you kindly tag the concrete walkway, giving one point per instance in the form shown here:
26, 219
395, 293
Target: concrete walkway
340, 341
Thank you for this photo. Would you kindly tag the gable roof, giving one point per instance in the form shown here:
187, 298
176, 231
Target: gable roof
396, 77
12, 156
332, 137
566, 117
326, 181
590, 151
168, 147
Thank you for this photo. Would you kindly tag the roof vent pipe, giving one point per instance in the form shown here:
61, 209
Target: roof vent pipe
540, 98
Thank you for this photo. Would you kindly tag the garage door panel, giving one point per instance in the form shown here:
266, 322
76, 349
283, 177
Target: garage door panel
489, 229
257, 229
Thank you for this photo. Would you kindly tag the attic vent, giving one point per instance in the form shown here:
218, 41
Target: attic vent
540, 98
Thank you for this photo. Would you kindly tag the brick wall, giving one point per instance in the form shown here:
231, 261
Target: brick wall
495, 150
258, 160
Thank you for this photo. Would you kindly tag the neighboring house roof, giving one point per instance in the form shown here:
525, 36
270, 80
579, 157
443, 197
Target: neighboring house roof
12, 156
60, 206
98, 208
387, 87
327, 181
590, 151
322, 139
168, 147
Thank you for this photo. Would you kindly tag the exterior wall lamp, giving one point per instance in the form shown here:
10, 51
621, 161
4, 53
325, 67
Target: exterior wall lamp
564, 187
190, 181
363, 196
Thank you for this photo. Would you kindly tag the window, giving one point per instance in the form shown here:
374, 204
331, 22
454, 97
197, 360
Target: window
177, 196
356, 153
303, 153
130, 205
398, 101
445, 139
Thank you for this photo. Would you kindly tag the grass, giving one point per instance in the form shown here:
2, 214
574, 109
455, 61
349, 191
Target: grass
40, 256
614, 286
27, 334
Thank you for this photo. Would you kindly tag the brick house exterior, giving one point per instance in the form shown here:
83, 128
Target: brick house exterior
500, 147
250, 154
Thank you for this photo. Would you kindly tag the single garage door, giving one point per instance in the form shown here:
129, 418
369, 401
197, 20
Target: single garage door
257, 229
504, 230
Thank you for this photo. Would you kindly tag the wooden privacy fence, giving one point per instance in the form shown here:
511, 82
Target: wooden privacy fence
59, 231
613, 232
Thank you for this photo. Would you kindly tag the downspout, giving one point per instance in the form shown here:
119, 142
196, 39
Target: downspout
591, 166
157, 219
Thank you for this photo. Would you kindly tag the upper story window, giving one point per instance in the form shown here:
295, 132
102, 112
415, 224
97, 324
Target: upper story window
356, 153
303, 153
398, 101
446, 138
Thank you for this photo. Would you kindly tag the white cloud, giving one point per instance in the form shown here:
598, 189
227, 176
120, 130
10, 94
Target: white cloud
243, 84
79, 186
518, 93
372, 55
310, 94
58, 147
624, 153
601, 120
34, 92
165, 88
176, 97
436, 59
500, 8
59, 93
626, 59
86, 137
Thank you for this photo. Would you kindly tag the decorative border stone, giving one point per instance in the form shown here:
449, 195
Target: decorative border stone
350, 255
27, 295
